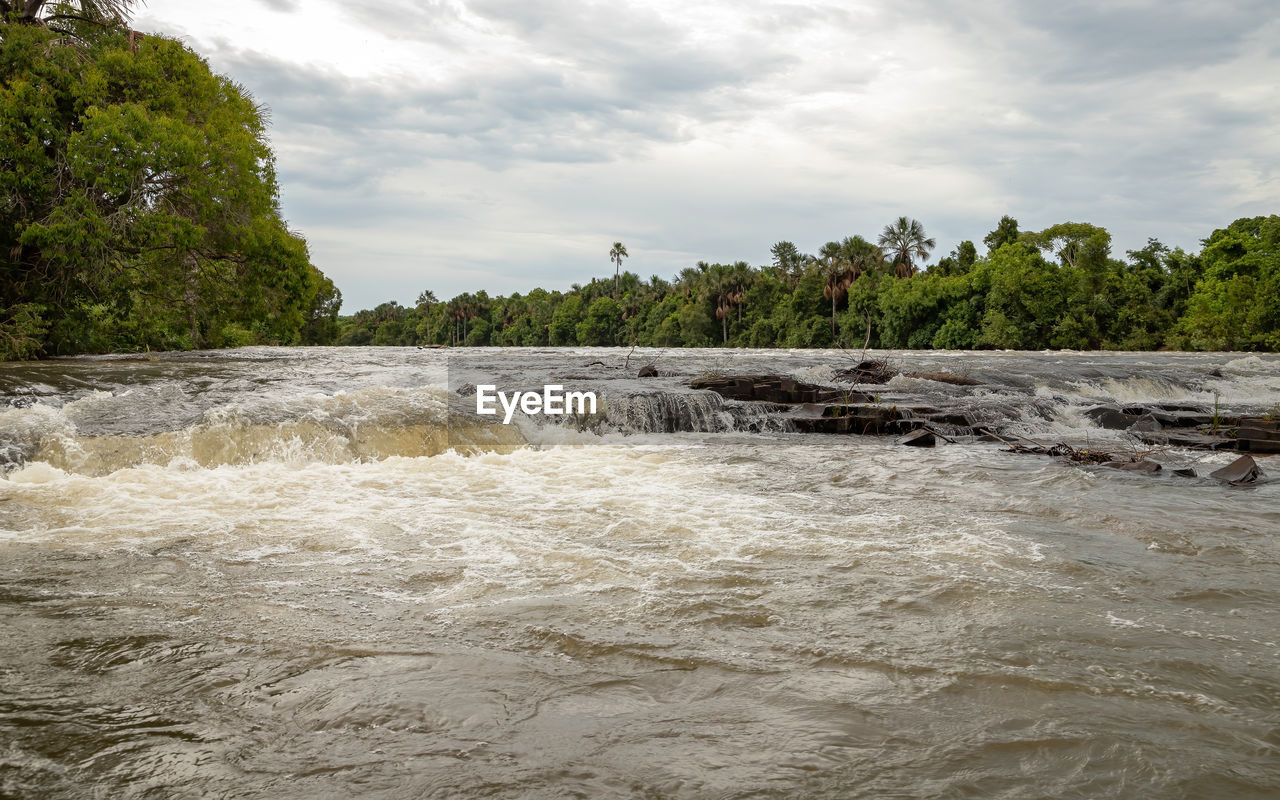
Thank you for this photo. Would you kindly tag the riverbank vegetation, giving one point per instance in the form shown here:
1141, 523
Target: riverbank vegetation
138, 198
1061, 287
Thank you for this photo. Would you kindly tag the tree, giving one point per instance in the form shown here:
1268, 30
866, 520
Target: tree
1236, 303
719, 285
564, 322
905, 241
788, 260
837, 275
138, 199
104, 13
599, 328
966, 255
1006, 231
426, 300
616, 254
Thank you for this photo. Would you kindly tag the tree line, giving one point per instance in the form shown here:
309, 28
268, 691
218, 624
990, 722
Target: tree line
138, 199
1057, 288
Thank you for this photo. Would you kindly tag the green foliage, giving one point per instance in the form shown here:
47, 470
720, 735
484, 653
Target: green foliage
1006, 232
601, 325
138, 204
565, 320
1236, 302
1056, 288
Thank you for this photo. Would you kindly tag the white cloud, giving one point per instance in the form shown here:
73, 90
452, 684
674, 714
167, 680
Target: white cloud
466, 145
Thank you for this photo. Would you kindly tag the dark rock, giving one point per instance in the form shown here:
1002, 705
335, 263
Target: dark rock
1109, 417
776, 389
647, 371
945, 377
1145, 465
956, 418
1196, 407
1147, 423
919, 438
1185, 472
1258, 435
1241, 471
1189, 439
1215, 373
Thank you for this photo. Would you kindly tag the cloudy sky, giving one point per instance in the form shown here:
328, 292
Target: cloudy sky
459, 145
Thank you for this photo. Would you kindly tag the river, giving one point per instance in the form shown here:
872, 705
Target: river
280, 573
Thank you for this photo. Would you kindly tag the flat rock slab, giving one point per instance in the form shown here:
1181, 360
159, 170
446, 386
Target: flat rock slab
776, 389
920, 438
1239, 472
1148, 419
1145, 465
1188, 439
1258, 435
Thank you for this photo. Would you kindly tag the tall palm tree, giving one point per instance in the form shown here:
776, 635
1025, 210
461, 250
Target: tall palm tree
905, 241
719, 285
687, 281
616, 254
99, 12
425, 301
860, 255
740, 276
837, 276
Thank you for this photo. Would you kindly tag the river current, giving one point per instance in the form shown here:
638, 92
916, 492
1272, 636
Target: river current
280, 573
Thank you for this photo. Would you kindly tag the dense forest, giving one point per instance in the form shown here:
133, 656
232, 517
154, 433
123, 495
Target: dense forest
1056, 288
138, 198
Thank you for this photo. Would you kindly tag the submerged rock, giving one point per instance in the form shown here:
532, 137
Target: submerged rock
1145, 465
944, 377
1147, 423
776, 389
1241, 471
1113, 419
919, 438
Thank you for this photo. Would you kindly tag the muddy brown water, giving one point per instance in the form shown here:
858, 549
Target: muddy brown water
271, 573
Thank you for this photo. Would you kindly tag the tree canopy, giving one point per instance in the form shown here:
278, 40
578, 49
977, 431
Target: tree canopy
138, 198
1060, 287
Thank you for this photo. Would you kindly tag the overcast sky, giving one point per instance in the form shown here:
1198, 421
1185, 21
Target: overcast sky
483, 144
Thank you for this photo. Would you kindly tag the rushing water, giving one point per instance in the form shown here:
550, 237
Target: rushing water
273, 573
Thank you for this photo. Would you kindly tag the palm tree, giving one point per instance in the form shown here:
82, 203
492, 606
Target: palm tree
719, 285
860, 255
837, 276
687, 281
99, 12
616, 254
905, 241
425, 301
740, 276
